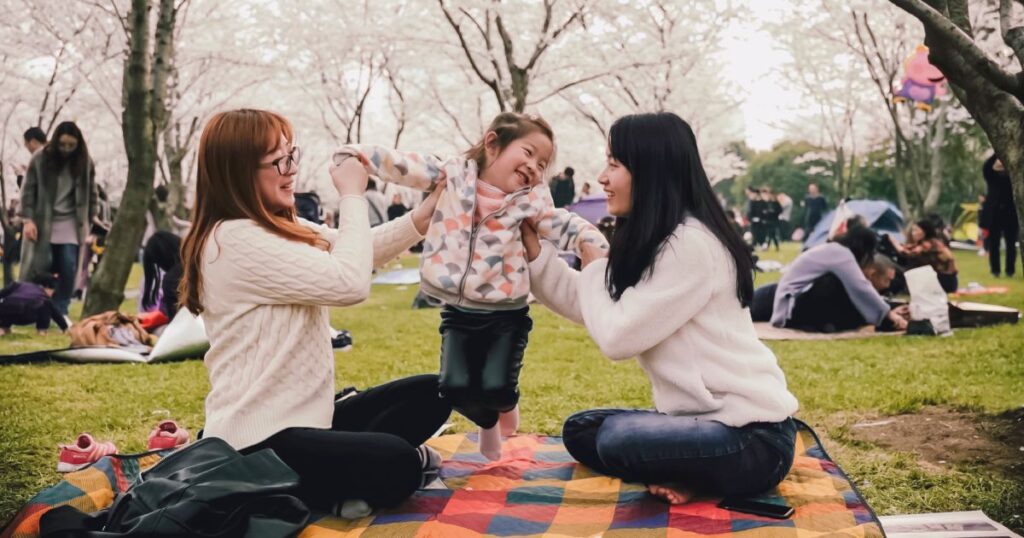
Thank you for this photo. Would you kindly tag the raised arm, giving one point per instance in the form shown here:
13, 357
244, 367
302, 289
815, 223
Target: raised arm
416, 170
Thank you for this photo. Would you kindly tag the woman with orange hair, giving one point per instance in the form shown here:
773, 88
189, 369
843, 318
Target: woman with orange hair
263, 280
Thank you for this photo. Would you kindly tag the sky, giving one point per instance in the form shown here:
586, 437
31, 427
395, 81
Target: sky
751, 56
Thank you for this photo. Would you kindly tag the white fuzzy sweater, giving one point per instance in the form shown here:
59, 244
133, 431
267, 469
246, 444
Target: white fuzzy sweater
270, 361
684, 325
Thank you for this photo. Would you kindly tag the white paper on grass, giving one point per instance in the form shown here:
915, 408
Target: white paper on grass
400, 277
945, 525
927, 298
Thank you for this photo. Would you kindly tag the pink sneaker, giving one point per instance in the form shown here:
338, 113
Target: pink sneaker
167, 435
84, 452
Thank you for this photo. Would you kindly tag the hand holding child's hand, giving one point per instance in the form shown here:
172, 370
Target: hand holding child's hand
530, 240
349, 177
589, 253
423, 212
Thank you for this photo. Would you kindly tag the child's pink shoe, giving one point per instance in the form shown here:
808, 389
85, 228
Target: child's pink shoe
167, 435
85, 451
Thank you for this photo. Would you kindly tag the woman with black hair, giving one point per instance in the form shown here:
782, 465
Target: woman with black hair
58, 202
673, 292
161, 267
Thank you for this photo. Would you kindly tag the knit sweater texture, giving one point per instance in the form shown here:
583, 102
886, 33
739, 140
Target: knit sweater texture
684, 324
266, 300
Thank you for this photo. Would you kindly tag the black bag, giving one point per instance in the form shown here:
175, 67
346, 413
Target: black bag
205, 489
307, 206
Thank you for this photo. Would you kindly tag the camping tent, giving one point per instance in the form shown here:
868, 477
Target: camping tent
882, 216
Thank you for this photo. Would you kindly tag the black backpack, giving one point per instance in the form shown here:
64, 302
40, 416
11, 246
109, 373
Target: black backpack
307, 206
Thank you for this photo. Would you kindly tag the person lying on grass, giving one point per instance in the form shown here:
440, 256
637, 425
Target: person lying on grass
673, 292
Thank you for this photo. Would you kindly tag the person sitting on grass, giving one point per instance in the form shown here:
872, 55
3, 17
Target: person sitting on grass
927, 247
834, 287
263, 280
673, 293
25, 303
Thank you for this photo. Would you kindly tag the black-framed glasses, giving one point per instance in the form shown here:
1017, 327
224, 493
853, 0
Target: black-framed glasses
287, 163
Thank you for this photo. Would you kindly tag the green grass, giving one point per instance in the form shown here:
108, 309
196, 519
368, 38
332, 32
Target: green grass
836, 382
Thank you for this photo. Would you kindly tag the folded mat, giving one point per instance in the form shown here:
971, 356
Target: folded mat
536, 490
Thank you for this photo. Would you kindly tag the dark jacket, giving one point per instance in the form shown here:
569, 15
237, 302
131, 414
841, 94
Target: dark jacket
23, 303
563, 191
998, 210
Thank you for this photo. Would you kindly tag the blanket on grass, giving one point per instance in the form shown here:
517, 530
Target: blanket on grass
536, 490
766, 331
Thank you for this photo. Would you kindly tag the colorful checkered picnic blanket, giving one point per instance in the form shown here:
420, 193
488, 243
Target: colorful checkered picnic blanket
538, 490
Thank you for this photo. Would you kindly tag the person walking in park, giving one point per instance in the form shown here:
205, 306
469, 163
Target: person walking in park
784, 217
815, 206
59, 200
771, 211
672, 292
999, 217
263, 281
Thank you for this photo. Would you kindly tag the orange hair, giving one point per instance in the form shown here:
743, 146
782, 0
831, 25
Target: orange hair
230, 150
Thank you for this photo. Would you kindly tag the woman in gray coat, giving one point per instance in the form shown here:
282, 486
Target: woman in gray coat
58, 202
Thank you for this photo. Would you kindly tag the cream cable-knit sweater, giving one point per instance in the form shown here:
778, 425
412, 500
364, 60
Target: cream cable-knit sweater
270, 361
684, 325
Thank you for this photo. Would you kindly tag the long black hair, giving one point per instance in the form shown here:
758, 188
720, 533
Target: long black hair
161, 253
669, 184
78, 160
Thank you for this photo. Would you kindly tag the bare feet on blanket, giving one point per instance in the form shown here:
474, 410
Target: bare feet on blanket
509, 422
669, 494
490, 442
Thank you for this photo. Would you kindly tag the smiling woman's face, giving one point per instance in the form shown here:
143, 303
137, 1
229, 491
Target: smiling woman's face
277, 190
618, 185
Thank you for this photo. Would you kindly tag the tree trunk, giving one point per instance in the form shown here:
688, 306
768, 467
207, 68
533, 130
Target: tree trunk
938, 139
141, 86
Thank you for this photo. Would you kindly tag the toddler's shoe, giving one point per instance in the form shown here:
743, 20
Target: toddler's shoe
82, 453
167, 434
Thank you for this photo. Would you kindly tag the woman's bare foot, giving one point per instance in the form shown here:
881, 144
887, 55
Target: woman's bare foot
669, 494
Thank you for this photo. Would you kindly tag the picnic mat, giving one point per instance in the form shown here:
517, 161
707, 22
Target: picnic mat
536, 490
766, 331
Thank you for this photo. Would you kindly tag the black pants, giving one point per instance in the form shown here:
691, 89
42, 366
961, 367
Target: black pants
370, 451
19, 315
826, 307
481, 356
1009, 234
949, 282
763, 303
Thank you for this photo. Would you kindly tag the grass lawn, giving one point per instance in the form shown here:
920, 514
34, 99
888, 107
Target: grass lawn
978, 372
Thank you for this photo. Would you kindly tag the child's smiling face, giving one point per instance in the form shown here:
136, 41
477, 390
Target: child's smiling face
521, 164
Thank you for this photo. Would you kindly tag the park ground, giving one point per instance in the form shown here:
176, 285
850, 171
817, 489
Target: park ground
921, 424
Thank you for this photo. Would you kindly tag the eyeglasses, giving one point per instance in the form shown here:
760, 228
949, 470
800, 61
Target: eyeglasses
286, 164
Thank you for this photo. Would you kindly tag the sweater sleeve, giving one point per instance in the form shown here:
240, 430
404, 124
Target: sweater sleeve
269, 269
650, 311
568, 230
554, 284
393, 238
416, 170
861, 292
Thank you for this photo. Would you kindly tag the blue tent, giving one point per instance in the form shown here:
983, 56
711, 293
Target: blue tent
882, 216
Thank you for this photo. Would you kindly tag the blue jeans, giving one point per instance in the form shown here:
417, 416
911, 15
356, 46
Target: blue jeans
65, 263
703, 456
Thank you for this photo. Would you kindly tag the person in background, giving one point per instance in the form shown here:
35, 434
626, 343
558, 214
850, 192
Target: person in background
397, 208
563, 188
771, 209
12, 241
999, 217
160, 255
787, 212
755, 216
926, 246
59, 200
835, 287
585, 191
26, 303
35, 139
378, 205
815, 205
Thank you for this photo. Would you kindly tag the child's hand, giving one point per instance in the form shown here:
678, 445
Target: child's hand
421, 215
530, 240
589, 253
349, 177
